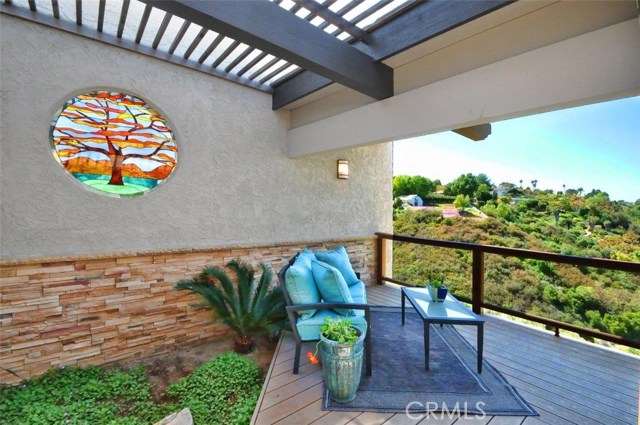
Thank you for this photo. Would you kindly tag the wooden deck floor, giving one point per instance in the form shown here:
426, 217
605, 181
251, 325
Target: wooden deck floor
567, 381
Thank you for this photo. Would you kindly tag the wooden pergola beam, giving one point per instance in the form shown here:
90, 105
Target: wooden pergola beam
268, 27
419, 24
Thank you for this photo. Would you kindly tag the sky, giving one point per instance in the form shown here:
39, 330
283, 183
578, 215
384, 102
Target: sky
593, 147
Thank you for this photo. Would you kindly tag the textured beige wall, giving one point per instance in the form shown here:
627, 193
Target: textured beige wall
233, 185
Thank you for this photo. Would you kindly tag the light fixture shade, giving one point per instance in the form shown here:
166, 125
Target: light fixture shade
343, 169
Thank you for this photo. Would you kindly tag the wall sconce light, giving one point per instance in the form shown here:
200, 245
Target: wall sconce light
343, 169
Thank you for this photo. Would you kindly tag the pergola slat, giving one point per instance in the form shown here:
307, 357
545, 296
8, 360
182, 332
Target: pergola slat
275, 72
79, 12
252, 63
123, 17
32, 5
196, 40
258, 58
263, 68
242, 56
179, 35
161, 30
225, 53
143, 22
215, 43
370, 11
56, 9
130, 45
101, 6
332, 17
311, 48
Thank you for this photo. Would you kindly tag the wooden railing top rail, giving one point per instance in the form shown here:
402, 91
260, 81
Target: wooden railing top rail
478, 271
625, 266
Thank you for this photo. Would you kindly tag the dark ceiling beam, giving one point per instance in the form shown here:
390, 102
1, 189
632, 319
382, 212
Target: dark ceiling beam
475, 133
419, 24
287, 37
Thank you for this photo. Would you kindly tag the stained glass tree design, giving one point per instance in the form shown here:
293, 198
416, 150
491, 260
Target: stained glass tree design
114, 142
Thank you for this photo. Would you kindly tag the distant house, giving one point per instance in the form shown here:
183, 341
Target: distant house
412, 201
501, 190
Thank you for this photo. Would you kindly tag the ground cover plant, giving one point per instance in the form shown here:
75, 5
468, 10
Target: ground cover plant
221, 391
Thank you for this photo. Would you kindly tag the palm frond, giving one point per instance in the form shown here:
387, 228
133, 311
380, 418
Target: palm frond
244, 272
263, 285
251, 309
218, 273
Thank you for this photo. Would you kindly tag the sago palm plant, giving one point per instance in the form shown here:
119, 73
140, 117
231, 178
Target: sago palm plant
247, 307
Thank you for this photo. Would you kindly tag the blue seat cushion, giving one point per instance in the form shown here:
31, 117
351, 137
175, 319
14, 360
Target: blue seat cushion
300, 284
332, 285
358, 293
309, 329
339, 259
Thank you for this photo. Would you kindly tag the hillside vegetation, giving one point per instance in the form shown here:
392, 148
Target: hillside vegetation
568, 222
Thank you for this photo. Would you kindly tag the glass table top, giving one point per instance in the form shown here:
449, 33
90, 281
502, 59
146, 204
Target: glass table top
449, 309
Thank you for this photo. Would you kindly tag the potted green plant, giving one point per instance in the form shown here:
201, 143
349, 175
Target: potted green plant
341, 347
437, 289
247, 307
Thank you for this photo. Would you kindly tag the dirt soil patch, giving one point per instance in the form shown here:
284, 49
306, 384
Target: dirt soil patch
164, 369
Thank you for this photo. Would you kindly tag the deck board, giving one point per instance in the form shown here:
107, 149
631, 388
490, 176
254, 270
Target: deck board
566, 381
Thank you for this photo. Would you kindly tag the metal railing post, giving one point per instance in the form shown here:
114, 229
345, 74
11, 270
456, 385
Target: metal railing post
477, 281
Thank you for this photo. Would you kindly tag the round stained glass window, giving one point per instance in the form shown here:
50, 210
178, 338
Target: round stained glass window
114, 143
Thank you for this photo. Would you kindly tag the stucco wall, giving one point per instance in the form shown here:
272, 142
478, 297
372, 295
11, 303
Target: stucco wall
234, 183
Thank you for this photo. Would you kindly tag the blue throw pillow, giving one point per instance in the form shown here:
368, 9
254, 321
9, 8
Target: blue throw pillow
300, 283
339, 259
332, 286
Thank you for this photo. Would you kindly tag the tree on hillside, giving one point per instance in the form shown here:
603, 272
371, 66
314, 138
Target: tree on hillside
466, 184
113, 127
483, 179
534, 183
461, 202
483, 194
600, 209
557, 204
412, 185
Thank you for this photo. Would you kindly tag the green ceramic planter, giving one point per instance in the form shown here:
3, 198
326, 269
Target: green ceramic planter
342, 367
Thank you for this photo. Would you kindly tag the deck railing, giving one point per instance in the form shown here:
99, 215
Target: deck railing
478, 270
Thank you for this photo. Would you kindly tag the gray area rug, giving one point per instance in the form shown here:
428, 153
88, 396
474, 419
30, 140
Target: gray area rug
400, 381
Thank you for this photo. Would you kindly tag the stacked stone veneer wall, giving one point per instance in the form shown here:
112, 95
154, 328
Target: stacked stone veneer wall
118, 307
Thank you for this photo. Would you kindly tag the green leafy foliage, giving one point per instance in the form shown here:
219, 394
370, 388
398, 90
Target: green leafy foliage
412, 185
461, 202
247, 307
466, 184
95, 396
569, 223
223, 391
339, 330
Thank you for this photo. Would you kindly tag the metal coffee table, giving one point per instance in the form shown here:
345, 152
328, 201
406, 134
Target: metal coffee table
448, 312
